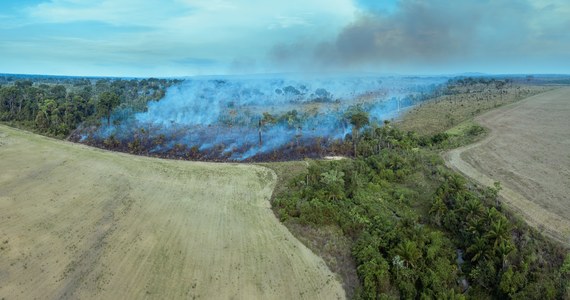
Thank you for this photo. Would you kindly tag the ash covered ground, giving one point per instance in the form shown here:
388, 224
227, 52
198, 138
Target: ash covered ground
257, 118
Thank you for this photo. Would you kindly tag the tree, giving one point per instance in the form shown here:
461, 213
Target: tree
503, 250
375, 277
565, 268
9, 98
73, 114
334, 183
497, 188
358, 118
268, 118
48, 108
499, 232
58, 92
472, 209
511, 282
107, 101
438, 210
478, 248
409, 252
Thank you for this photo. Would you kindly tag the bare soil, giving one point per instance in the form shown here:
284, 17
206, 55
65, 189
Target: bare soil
83, 223
528, 151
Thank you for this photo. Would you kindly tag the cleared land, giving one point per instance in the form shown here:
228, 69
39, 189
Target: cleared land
447, 111
528, 151
77, 222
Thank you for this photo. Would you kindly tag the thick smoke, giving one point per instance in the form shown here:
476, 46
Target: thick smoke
425, 36
228, 115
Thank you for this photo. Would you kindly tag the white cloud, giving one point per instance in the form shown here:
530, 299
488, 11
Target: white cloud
210, 29
120, 12
133, 36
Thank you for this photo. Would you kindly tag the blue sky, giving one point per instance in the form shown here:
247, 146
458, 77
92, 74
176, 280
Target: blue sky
198, 37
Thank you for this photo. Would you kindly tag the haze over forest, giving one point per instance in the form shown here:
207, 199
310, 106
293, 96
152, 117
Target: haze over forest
198, 37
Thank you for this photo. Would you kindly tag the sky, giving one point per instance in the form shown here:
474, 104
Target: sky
164, 38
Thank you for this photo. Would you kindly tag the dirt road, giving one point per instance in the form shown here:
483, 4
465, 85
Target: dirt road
528, 151
82, 223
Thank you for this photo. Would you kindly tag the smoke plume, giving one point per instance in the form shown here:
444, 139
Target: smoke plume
433, 37
236, 118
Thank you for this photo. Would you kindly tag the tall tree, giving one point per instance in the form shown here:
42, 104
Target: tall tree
107, 101
358, 118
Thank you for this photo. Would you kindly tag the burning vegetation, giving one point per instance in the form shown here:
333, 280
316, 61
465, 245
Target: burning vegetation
264, 118
258, 119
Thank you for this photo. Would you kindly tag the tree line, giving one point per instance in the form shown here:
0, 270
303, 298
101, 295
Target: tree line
56, 108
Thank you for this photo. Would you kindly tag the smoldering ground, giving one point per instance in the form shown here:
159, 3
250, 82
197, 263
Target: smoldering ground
235, 118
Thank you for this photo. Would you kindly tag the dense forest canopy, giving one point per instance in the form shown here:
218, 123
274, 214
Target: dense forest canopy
58, 105
420, 231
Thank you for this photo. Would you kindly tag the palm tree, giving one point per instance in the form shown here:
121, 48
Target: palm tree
499, 232
409, 252
478, 249
476, 226
503, 250
472, 209
456, 182
438, 210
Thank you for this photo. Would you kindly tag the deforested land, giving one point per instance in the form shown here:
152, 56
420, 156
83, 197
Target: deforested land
527, 150
78, 222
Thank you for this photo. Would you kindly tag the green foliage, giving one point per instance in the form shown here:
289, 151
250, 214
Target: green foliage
402, 251
107, 102
359, 119
565, 268
268, 118
57, 107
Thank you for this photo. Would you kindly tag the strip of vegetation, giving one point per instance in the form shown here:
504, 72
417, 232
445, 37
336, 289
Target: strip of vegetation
57, 106
465, 98
87, 110
418, 230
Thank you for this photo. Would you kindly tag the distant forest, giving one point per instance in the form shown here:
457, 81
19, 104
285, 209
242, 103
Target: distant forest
74, 107
56, 106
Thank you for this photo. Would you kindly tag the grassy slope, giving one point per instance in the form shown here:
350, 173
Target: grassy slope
77, 222
446, 112
327, 242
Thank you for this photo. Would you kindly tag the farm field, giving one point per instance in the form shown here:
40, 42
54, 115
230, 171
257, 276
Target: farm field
527, 151
77, 222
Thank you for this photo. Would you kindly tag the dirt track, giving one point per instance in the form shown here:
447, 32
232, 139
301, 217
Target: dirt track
77, 222
528, 151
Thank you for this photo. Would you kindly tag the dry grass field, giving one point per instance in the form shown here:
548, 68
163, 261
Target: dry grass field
528, 151
445, 112
82, 223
